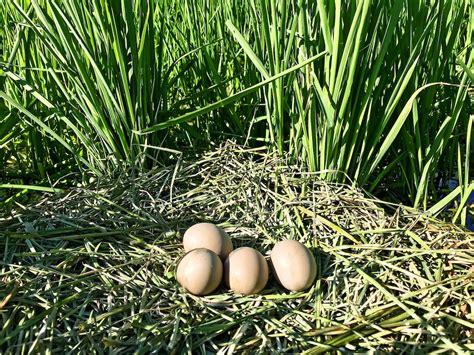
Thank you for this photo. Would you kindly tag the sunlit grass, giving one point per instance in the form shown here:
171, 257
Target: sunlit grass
82, 82
93, 268
115, 97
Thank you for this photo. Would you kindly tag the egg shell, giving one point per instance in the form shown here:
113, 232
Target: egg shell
200, 271
246, 271
209, 236
293, 265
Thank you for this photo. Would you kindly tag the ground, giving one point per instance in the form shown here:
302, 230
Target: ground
94, 267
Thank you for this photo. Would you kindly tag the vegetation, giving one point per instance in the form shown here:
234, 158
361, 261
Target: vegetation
111, 106
94, 269
101, 86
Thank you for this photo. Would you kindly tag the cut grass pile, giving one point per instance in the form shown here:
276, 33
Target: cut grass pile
94, 268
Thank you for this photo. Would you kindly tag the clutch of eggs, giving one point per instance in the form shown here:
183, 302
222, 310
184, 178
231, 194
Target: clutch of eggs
210, 257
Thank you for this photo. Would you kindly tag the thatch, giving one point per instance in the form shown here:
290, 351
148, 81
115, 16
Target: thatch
94, 267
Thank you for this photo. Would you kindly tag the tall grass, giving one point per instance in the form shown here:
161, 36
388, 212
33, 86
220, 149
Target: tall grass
355, 89
378, 107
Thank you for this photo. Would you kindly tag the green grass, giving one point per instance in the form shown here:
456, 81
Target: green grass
92, 269
336, 102
101, 87
104, 107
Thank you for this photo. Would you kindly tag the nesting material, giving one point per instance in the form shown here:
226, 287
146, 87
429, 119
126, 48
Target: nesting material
100, 262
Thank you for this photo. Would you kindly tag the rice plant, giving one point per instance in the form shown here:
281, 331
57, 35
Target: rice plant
380, 108
373, 91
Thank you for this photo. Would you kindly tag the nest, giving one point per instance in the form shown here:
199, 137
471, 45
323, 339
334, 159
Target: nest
94, 267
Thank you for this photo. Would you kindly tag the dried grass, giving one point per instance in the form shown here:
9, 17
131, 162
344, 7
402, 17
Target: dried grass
93, 268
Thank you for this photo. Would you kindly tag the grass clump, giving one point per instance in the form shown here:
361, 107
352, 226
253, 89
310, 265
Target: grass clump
93, 268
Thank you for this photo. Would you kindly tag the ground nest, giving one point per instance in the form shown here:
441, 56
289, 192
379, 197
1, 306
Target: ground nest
93, 268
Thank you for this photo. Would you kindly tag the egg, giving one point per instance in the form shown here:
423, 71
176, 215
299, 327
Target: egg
245, 271
209, 236
200, 271
293, 265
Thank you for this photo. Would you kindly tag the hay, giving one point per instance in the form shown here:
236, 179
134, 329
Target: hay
93, 267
